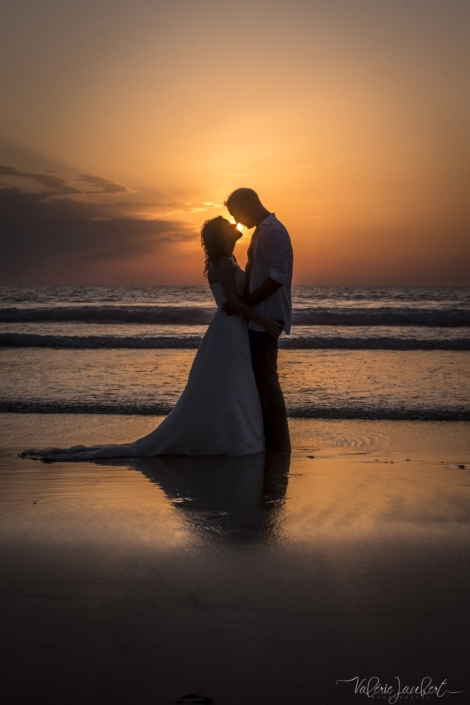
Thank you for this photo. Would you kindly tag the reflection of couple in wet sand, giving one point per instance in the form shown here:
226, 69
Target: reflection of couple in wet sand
232, 404
234, 499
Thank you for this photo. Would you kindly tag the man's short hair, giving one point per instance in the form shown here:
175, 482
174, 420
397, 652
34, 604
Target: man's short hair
242, 197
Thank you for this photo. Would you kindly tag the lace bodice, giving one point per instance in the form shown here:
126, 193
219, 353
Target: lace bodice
218, 292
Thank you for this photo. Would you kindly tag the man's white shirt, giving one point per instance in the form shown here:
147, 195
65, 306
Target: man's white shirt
272, 257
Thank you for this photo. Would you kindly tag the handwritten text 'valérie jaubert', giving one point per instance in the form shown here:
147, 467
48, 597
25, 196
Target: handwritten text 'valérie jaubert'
373, 687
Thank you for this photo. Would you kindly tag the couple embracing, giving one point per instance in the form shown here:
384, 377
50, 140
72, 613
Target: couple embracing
232, 403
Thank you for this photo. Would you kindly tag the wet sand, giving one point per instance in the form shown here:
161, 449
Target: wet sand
256, 580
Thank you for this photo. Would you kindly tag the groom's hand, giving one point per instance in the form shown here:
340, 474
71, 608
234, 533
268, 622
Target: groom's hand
228, 310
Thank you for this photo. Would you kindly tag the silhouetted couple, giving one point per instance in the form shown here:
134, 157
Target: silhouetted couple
232, 403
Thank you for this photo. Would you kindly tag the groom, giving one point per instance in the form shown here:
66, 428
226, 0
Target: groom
268, 291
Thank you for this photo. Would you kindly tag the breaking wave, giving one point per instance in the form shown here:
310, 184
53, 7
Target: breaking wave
458, 413
197, 315
96, 342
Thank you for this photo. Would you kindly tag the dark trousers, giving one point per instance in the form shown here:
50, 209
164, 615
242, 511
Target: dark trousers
264, 347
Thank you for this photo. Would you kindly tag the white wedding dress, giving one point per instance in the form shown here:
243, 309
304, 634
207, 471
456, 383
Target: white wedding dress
219, 412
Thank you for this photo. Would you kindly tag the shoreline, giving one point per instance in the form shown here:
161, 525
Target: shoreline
307, 434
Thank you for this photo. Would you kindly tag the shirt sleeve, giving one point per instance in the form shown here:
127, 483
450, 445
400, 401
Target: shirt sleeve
279, 256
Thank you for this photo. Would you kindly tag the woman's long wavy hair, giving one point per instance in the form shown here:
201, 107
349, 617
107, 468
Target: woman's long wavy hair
211, 242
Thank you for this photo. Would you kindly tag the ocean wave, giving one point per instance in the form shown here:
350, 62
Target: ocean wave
169, 315
196, 315
96, 342
458, 413
378, 343
383, 317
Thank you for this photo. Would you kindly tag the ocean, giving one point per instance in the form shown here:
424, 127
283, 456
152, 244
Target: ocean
354, 352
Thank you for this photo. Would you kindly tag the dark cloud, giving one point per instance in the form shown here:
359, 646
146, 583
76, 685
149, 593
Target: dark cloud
151, 209
51, 235
9, 171
102, 185
38, 233
54, 185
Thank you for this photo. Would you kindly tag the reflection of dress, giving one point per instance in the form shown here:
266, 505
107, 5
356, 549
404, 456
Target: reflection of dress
219, 412
236, 500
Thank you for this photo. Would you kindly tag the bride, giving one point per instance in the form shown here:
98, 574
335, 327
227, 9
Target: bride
219, 412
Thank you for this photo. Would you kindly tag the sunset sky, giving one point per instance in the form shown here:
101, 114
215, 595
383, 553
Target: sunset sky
124, 124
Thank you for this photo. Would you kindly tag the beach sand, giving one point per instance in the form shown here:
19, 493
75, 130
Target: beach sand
238, 581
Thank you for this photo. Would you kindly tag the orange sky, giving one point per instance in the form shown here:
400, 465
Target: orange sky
350, 118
